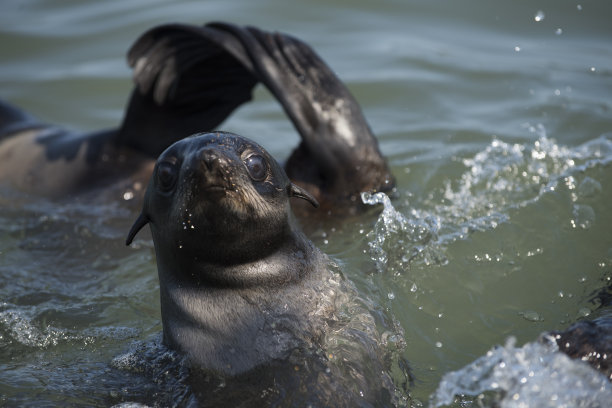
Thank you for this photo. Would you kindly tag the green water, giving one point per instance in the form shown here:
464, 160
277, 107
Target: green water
496, 118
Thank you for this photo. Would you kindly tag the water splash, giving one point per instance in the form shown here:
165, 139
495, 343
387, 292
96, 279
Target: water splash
17, 324
20, 328
396, 240
506, 176
498, 179
535, 375
502, 176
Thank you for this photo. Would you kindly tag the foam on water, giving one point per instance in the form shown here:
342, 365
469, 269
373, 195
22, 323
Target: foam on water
535, 375
506, 176
20, 328
18, 324
497, 180
396, 240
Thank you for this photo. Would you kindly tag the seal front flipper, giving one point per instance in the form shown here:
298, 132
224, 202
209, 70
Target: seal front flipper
339, 156
186, 82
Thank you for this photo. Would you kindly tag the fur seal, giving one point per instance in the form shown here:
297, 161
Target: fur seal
218, 208
189, 79
241, 287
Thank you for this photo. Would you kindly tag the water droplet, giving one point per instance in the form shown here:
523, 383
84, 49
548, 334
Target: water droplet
531, 316
584, 216
517, 48
558, 31
539, 16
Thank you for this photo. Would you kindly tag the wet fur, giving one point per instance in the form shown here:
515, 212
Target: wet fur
243, 291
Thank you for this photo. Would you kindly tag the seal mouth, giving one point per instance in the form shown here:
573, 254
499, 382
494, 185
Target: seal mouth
214, 188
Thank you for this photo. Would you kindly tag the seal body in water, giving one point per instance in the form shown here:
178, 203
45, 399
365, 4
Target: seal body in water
241, 287
189, 79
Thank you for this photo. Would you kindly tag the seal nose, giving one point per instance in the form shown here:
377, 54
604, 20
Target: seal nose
209, 157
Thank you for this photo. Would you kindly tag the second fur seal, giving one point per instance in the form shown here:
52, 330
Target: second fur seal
190, 79
241, 287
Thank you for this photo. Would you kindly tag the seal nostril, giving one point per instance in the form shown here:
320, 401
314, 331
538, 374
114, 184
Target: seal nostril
209, 157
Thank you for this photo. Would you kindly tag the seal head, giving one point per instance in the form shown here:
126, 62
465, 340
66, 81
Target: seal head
229, 255
222, 189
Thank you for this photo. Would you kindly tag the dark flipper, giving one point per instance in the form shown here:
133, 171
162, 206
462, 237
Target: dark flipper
14, 120
186, 82
189, 79
338, 154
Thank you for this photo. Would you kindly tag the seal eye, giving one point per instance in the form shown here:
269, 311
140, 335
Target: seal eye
257, 167
166, 175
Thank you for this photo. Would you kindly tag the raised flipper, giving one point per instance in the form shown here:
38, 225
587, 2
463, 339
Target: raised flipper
339, 155
201, 74
186, 82
184, 85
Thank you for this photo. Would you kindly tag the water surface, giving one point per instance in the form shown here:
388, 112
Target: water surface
496, 118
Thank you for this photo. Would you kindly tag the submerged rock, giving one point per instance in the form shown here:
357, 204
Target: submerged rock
589, 341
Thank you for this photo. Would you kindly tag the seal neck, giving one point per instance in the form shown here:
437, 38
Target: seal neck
281, 264
224, 318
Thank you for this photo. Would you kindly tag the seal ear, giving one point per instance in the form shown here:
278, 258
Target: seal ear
140, 222
299, 192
